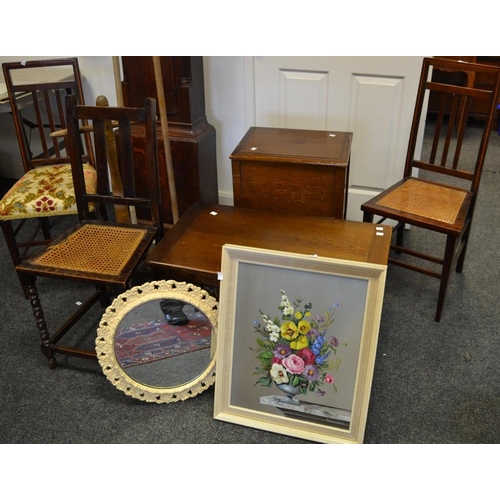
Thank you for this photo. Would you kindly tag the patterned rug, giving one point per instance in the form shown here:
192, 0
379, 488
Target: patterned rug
155, 340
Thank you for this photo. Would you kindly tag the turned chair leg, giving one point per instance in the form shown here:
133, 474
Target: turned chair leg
45, 342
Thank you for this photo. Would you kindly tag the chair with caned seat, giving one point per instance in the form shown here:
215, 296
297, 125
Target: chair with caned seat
99, 250
439, 187
36, 92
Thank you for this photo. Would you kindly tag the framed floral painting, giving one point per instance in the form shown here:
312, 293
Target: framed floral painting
297, 342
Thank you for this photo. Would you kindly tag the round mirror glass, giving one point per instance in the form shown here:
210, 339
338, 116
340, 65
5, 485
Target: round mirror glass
164, 343
156, 342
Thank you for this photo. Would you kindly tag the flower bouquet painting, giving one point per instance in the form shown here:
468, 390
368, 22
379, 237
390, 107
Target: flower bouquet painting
297, 342
295, 350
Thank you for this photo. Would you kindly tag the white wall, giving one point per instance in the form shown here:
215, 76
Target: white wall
225, 109
227, 93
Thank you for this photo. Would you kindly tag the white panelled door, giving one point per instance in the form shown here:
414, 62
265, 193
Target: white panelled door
373, 97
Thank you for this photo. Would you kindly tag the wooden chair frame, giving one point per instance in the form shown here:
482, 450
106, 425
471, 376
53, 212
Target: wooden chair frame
31, 85
99, 232
399, 201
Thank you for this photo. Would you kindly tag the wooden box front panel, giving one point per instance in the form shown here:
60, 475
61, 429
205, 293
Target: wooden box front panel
291, 188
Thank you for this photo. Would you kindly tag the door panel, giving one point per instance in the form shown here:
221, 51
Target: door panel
303, 99
375, 120
373, 97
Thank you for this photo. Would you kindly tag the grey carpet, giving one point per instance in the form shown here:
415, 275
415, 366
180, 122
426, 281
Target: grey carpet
433, 382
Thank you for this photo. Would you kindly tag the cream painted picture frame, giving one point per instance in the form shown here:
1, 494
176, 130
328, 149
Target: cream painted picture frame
297, 342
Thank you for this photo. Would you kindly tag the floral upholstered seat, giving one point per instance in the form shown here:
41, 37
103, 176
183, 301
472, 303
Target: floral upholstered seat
43, 192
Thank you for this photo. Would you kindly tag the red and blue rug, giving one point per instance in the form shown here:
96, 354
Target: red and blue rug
155, 340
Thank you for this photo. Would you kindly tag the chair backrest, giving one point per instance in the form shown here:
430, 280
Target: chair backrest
99, 119
453, 120
36, 94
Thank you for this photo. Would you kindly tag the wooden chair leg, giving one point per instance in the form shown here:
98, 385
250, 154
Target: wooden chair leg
45, 342
445, 274
10, 240
45, 226
461, 257
400, 231
367, 217
104, 296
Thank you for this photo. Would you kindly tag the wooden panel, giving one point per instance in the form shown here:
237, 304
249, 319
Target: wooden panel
139, 82
292, 188
183, 86
195, 170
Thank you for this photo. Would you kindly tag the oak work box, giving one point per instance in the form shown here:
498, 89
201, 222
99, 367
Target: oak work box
303, 172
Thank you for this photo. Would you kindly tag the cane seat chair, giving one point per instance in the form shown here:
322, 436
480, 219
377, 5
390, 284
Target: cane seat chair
98, 249
36, 92
439, 187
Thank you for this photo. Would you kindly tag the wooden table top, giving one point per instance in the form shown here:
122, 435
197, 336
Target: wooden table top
192, 250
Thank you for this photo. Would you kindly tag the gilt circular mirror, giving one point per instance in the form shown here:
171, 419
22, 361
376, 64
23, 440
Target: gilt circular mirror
156, 342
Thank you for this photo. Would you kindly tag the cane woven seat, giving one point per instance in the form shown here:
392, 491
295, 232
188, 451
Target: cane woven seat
93, 248
426, 200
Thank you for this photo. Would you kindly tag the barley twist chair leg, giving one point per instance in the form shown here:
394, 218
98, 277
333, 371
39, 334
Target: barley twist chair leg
45, 342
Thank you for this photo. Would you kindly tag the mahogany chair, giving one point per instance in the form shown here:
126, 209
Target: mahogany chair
439, 189
36, 93
98, 250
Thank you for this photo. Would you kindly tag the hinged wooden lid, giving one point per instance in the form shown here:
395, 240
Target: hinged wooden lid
294, 145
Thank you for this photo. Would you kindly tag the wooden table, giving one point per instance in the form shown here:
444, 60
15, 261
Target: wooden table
294, 171
192, 250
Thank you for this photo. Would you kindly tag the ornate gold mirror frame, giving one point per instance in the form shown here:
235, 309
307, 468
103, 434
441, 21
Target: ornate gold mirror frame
156, 342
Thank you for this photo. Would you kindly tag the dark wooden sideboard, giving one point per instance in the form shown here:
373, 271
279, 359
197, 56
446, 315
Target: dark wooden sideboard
192, 138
